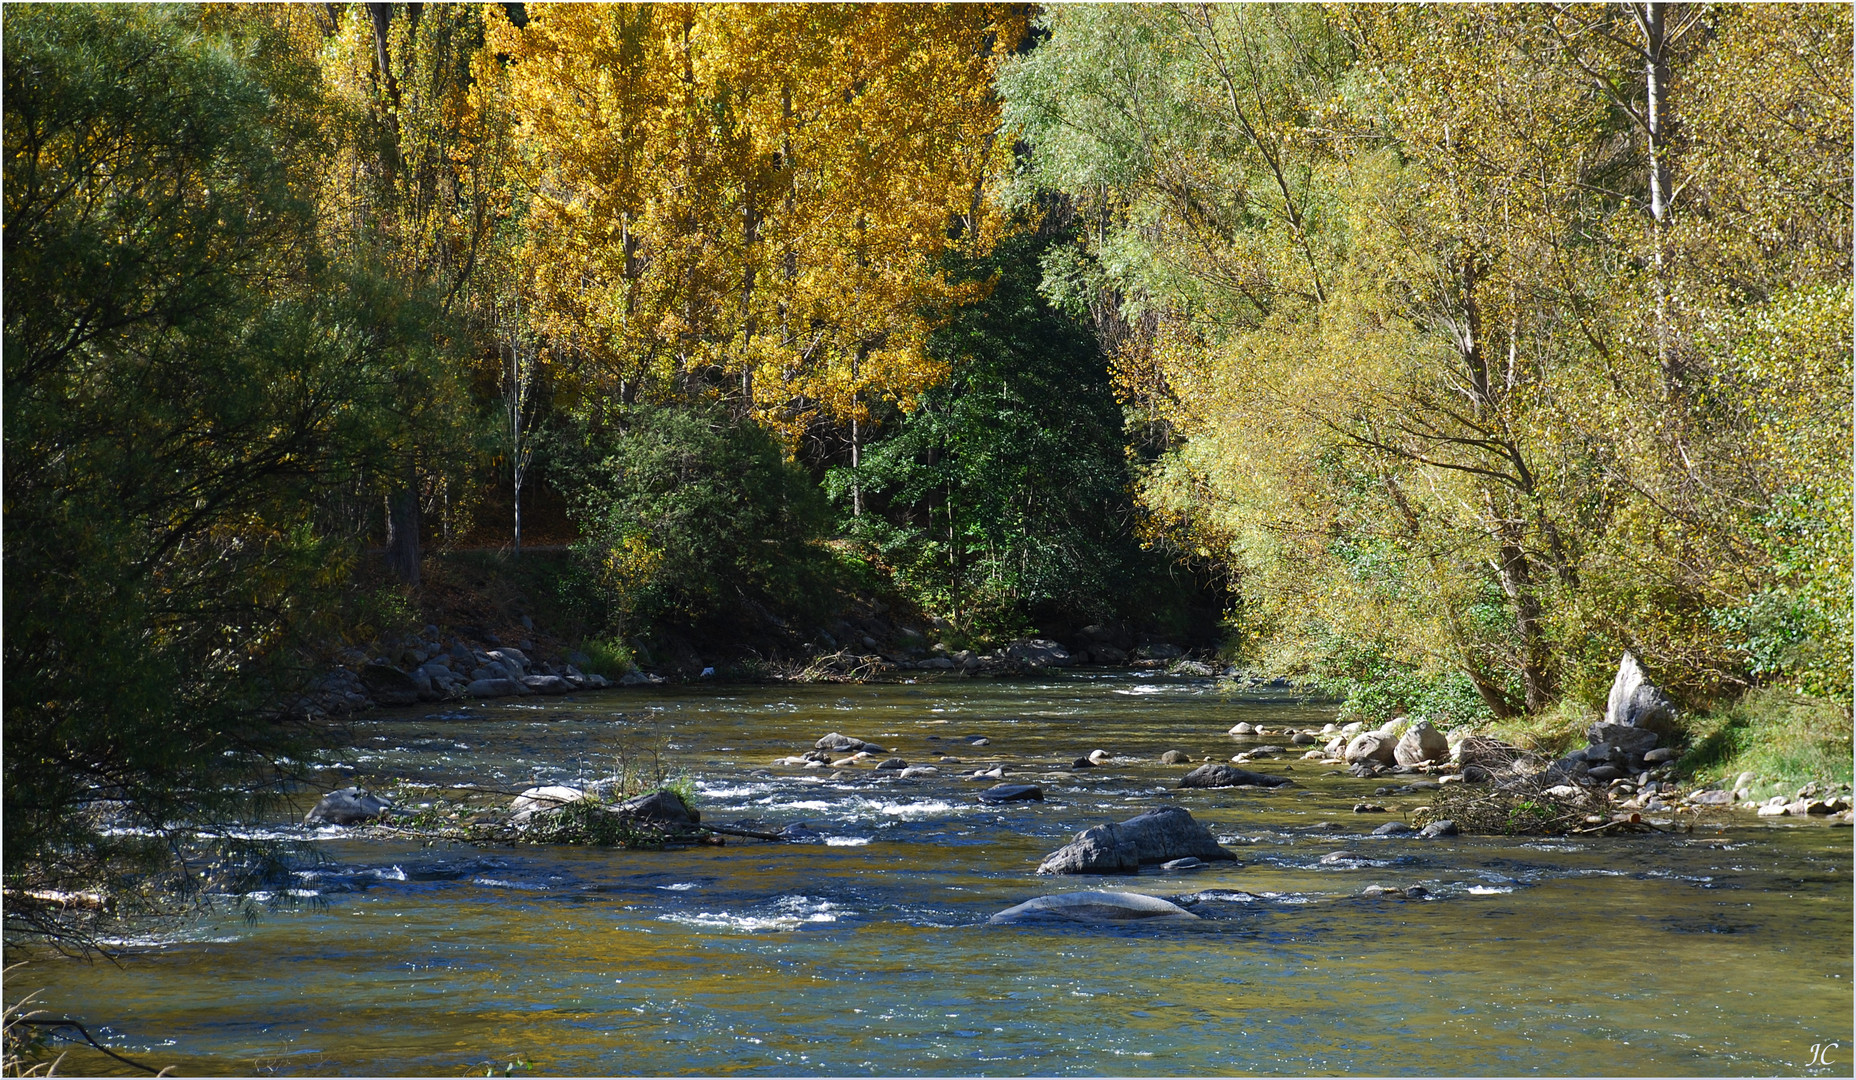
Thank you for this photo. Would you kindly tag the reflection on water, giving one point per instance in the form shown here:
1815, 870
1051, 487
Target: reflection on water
1722, 952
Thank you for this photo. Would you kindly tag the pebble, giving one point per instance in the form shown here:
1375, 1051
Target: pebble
1416, 892
1368, 808
1082, 763
893, 763
1175, 757
1440, 827
1393, 828
1243, 729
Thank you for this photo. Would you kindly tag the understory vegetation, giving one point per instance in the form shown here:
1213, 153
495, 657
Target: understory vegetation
1432, 356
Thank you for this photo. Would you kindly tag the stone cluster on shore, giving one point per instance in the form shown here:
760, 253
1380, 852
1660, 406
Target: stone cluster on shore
429, 667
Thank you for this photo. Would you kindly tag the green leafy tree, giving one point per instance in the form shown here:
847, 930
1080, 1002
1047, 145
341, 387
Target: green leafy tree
1003, 499
185, 379
688, 513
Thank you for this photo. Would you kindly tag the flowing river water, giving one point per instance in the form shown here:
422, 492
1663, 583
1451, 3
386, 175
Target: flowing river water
1722, 951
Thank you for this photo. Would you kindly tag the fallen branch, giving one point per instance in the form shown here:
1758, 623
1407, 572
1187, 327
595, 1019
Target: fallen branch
80, 1029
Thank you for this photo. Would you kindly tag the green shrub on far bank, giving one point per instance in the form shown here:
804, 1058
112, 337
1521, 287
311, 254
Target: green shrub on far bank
608, 656
1373, 687
1783, 737
688, 516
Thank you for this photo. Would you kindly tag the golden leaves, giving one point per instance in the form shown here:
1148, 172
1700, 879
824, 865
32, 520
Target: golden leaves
755, 194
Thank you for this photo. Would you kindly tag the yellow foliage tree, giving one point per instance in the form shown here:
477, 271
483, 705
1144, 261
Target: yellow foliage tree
751, 200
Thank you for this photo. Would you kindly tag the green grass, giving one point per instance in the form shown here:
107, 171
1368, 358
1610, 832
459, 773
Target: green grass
1786, 739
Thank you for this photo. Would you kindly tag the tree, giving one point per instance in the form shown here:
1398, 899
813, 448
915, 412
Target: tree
750, 201
1003, 494
186, 375
1445, 313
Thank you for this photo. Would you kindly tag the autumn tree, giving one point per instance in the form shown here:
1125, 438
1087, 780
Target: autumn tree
1452, 305
750, 201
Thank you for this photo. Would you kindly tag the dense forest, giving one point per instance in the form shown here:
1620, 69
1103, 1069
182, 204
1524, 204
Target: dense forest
1432, 356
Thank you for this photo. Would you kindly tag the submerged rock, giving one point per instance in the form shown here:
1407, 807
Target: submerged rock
1092, 906
1217, 776
1158, 836
349, 806
1004, 793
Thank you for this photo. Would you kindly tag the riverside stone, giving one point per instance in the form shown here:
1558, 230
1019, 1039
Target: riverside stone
388, 685
1175, 757
1632, 742
1371, 746
1635, 702
495, 688
1038, 653
1157, 836
1093, 905
1420, 743
1440, 827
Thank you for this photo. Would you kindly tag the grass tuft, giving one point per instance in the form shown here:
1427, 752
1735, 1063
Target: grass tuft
1786, 739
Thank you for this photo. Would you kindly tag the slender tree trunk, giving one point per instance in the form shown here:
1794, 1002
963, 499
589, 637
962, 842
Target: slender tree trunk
1651, 20
403, 531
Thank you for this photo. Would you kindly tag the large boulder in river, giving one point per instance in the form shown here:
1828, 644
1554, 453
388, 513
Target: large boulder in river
1092, 906
835, 741
536, 799
1635, 702
1421, 743
1214, 776
349, 806
662, 806
1004, 793
1157, 836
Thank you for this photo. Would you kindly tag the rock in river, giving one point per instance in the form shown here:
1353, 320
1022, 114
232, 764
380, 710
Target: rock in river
835, 741
1158, 836
1003, 793
1215, 776
661, 806
1093, 906
349, 806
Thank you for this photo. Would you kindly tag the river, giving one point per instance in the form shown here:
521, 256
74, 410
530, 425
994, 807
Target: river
1722, 951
